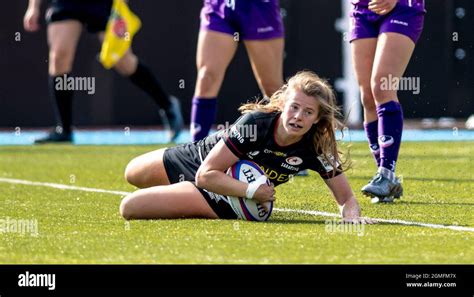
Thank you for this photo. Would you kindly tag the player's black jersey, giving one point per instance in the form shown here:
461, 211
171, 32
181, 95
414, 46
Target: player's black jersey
252, 137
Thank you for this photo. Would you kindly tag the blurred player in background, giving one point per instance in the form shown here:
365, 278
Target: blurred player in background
295, 126
383, 37
223, 23
66, 19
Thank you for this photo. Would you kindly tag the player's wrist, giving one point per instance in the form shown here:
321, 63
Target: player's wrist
351, 208
251, 190
253, 186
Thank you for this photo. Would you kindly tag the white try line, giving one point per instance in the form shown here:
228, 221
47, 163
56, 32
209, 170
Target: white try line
300, 211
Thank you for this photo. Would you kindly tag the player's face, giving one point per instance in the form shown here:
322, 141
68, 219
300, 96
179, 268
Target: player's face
300, 113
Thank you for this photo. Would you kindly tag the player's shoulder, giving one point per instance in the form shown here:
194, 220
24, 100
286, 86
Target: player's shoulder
264, 121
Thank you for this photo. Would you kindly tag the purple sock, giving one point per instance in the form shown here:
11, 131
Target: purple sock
371, 130
203, 115
390, 133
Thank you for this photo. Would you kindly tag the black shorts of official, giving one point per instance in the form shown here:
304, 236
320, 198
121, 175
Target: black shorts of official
181, 164
94, 14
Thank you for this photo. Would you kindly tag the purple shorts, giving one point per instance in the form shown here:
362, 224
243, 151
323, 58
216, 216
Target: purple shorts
402, 19
251, 19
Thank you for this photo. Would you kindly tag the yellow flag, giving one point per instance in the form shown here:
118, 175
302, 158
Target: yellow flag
121, 27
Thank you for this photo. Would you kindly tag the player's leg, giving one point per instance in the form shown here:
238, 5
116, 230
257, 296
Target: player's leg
263, 35
128, 65
214, 52
363, 53
147, 170
266, 58
393, 53
142, 76
63, 36
364, 33
391, 59
62, 40
180, 200
399, 33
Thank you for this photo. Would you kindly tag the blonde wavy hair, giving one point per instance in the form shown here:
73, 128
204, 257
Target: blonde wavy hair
324, 139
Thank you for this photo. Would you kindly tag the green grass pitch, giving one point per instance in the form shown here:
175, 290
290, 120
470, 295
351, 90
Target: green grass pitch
85, 227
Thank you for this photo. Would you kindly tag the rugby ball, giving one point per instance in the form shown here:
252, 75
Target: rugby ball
248, 209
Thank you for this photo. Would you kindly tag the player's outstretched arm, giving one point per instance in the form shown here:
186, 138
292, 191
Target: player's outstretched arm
32, 15
211, 176
346, 200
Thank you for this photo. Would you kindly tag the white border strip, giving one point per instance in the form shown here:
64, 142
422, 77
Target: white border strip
307, 212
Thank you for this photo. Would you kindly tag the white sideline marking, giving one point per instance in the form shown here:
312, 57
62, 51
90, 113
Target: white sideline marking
59, 186
401, 222
308, 212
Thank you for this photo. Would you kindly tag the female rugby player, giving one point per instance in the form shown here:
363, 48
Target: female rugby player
295, 130
223, 23
65, 20
383, 37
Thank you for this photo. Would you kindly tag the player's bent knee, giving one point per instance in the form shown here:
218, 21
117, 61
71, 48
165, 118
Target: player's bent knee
127, 65
139, 177
382, 91
126, 208
208, 77
60, 61
368, 102
60, 56
132, 174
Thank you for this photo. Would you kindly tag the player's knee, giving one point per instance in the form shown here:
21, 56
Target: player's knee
127, 65
127, 210
138, 176
60, 60
208, 77
132, 175
367, 99
382, 90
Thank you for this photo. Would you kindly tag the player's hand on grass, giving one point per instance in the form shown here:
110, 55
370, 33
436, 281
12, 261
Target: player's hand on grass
351, 213
382, 7
31, 20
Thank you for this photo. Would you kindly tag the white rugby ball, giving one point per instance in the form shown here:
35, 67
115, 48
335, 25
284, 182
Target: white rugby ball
248, 209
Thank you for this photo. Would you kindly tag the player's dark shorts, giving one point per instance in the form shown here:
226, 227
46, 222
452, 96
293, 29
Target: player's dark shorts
181, 164
251, 19
94, 14
402, 19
